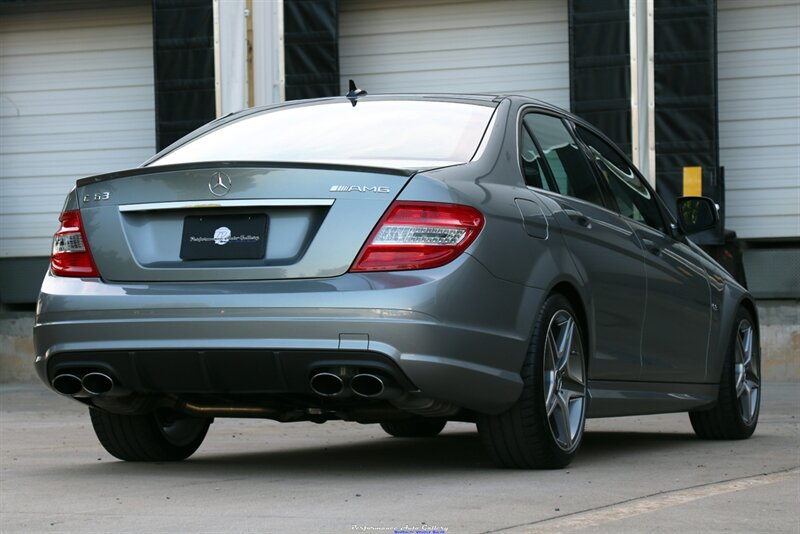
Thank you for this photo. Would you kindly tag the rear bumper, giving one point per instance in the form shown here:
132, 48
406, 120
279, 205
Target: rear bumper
456, 333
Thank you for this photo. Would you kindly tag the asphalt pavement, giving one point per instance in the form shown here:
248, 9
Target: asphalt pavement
632, 475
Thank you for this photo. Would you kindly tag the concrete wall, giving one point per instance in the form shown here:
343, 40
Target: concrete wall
780, 339
780, 342
16, 347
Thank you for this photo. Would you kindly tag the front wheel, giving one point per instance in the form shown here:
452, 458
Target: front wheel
161, 436
736, 413
544, 429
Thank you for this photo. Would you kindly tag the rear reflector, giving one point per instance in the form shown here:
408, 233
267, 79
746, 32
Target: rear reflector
419, 235
71, 255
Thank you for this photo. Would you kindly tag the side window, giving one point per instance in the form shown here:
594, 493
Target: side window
572, 175
633, 198
531, 162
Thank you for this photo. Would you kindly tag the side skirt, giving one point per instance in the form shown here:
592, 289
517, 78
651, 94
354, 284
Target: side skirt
615, 399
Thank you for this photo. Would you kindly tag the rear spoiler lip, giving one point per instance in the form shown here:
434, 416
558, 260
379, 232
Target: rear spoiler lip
216, 165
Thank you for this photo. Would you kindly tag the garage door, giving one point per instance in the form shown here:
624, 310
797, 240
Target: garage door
504, 46
759, 115
76, 98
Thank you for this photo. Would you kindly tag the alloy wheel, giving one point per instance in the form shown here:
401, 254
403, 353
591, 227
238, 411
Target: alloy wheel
746, 372
564, 380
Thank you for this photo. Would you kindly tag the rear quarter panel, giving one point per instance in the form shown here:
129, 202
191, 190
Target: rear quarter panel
492, 184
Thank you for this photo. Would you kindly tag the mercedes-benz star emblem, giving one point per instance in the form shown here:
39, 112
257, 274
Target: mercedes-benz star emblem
219, 184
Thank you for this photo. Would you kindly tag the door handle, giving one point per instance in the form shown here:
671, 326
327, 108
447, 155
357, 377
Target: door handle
578, 217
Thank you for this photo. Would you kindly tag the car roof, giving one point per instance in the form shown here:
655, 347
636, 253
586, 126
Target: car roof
486, 99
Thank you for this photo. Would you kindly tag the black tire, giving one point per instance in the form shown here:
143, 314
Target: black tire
734, 416
414, 427
525, 436
153, 437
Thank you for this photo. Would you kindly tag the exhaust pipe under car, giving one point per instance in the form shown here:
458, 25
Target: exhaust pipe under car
367, 385
327, 384
67, 384
97, 383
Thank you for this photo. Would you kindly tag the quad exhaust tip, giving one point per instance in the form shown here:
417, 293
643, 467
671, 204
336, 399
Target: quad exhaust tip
94, 383
67, 384
327, 384
97, 383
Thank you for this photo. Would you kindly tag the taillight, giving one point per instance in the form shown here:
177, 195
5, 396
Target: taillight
71, 255
419, 235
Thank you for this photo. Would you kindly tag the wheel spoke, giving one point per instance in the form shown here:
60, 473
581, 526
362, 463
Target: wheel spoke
550, 399
750, 359
572, 387
574, 369
747, 346
740, 376
565, 430
565, 342
575, 414
752, 373
751, 399
739, 356
754, 393
551, 351
745, 401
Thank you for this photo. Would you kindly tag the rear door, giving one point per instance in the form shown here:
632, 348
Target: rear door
678, 316
604, 248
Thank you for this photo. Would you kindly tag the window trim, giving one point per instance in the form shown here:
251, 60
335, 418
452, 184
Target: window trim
548, 173
666, 221
568, 126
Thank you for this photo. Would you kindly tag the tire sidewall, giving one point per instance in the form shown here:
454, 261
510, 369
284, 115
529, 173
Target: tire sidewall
728, 383
534, 379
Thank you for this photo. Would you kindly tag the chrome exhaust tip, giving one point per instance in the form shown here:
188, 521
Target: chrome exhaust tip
97, 383
367, 385
67, 384
327, 384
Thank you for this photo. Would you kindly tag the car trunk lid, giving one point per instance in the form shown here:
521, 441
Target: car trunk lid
233, 221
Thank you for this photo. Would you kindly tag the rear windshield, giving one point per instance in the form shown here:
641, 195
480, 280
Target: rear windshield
404, 133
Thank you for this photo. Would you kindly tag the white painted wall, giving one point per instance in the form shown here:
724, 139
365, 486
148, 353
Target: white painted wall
759, 115
76, 99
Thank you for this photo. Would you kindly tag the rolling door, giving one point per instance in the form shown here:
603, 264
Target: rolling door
439, 46
759, 116
76, 99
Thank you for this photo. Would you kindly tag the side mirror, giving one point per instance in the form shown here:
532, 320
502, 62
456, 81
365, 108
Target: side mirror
696, 214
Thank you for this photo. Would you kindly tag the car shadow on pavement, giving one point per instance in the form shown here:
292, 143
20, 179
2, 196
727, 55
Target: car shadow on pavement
603, 446
397, 457
447, 452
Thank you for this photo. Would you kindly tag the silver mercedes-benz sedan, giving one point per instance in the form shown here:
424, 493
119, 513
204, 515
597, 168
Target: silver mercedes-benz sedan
402, 260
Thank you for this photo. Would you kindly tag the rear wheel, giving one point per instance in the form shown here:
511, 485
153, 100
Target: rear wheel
155, 437
544, 428
736, 413
414, 427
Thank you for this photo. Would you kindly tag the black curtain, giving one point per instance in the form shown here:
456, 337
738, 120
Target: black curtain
183, 48
686, 101
311, 48
599, 66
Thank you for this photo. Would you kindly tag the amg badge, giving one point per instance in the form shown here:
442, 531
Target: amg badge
359, 189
